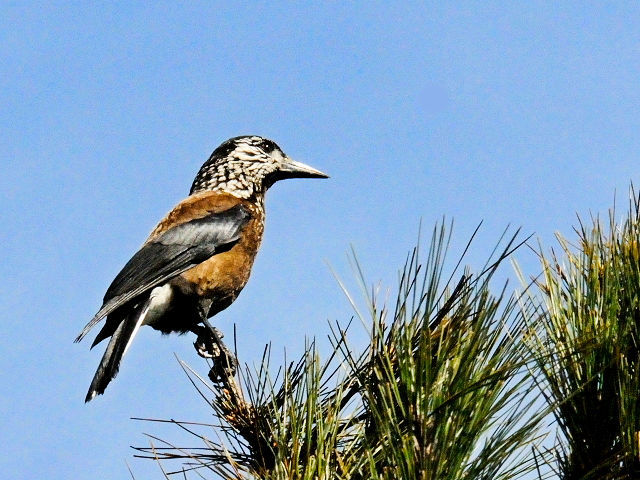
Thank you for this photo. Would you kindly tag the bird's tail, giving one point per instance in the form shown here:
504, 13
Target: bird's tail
117, 347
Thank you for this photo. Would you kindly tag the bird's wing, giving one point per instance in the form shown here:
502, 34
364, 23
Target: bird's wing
171, 253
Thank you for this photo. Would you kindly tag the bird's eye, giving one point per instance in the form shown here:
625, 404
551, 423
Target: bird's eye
267, 146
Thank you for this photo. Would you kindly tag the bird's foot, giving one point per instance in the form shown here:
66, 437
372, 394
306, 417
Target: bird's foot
224, 365
205, 344
209, 344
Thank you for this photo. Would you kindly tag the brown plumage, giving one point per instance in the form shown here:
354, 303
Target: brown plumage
223, 275
199, 257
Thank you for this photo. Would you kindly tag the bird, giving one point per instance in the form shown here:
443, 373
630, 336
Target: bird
198, 258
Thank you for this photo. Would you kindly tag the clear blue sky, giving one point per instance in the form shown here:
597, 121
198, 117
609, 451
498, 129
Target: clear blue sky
524, 113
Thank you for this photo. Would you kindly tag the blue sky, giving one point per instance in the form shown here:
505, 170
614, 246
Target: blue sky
523, 113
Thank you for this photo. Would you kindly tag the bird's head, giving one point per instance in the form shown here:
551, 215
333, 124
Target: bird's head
247, 166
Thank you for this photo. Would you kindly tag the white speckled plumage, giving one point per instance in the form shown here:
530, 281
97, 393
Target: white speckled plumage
241, 166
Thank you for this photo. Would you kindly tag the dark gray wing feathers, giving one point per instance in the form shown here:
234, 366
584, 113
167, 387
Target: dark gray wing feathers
172, 253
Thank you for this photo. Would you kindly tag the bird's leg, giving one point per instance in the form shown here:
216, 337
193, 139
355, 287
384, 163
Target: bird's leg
209, 344
204, 344
224, 361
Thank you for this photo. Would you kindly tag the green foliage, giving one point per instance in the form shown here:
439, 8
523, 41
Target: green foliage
585, 329
448, 386
454, 381
440, 393
441, 389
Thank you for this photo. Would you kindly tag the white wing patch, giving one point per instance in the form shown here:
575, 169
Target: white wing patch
159, 300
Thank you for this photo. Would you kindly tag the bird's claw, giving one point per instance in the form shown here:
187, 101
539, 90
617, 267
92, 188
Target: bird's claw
209, 345
224, 366
206, 346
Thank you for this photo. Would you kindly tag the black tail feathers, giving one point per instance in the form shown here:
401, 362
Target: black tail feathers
121, 338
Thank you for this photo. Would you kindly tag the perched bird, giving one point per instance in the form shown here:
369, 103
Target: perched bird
199, 257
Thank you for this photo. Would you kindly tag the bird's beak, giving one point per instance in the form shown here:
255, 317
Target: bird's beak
291, 169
